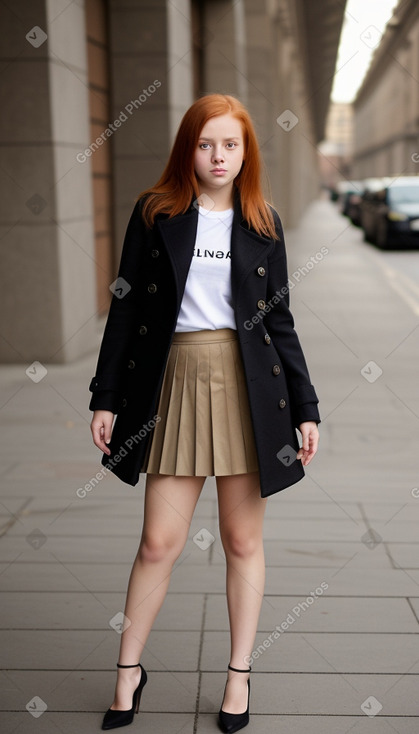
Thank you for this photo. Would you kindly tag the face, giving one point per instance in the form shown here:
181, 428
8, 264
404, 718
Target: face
219, 153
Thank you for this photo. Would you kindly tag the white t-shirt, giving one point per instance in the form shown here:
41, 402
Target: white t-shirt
207, 302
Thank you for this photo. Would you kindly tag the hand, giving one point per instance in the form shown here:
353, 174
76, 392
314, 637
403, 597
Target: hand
310, 436
101, 427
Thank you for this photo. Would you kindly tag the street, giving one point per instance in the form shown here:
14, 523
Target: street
342, 584
402, 270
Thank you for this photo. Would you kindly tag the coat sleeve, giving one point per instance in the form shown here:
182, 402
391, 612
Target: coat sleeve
111, 367
279, 323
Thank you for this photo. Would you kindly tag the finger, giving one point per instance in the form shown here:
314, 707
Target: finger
314, 442
306, 440
312, 451
98, 432
97, 435
107, 432
304, 445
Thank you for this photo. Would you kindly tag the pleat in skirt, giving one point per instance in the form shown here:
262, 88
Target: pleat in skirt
205, 426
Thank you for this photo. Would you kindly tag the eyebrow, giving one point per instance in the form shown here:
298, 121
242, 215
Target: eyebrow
210, 140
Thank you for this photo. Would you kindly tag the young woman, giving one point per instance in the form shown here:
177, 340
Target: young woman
201, 364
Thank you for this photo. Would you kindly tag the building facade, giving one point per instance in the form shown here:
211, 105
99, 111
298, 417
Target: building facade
335, 151
92, 94
386, 108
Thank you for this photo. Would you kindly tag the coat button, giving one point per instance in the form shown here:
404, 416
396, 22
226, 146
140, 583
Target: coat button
131, 364
267, 339
261, 271
124, 403
155, 253
276, 369
261, 304
142, 330
282, 403
152, 288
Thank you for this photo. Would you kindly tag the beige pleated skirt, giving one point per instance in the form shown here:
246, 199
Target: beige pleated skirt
205, 427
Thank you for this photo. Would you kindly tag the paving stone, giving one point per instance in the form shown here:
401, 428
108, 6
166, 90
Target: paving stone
320, 693
330, 554
67, 722
92, 691
343, 582
308, 652
308, 530
78, 610
326, 614
288, 724
404, 555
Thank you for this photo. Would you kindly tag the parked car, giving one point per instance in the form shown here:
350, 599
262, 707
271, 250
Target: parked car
349, 199
390, 215
354, 205
370, 201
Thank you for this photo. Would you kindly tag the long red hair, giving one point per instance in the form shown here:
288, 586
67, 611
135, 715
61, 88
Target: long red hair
178, 186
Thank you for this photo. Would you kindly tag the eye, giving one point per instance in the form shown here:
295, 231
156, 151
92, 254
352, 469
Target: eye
202, 146
233, 145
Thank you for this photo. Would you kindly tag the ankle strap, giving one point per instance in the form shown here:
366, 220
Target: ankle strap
127, 666
237, 670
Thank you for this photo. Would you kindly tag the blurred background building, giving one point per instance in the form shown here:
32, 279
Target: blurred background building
92, 93
335, 151
386, 108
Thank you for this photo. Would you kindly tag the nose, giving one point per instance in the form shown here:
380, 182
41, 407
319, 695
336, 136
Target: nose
217, 155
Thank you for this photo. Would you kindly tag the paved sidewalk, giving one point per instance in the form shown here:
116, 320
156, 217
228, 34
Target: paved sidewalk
349, 659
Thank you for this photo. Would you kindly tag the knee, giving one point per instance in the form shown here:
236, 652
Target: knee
241, 546
154, 549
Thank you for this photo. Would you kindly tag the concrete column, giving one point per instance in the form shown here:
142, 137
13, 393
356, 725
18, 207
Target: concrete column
179, 62
225, 65
47, 257
151, 88
276, 87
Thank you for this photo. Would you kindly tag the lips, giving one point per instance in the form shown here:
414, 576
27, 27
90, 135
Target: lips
218, 170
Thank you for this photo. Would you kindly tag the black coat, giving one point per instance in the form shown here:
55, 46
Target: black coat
141, 324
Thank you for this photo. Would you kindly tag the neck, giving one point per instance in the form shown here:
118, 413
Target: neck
222, 199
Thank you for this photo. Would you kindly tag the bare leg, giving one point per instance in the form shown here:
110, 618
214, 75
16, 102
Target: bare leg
169, 505
241, 513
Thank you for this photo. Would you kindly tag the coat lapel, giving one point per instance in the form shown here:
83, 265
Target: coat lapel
179, 235
247, 247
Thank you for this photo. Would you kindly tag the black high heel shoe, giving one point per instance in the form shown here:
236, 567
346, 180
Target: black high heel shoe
114, 718
230, 723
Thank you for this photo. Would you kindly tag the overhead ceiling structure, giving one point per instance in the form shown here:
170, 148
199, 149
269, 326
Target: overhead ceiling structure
319, 25
404, 17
